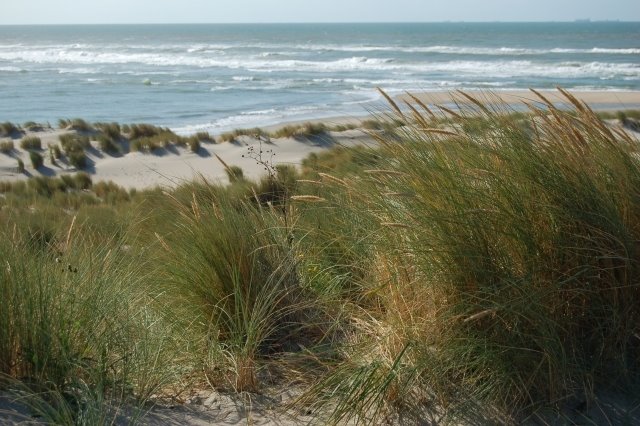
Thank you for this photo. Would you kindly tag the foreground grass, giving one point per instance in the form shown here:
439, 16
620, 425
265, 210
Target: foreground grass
478, 267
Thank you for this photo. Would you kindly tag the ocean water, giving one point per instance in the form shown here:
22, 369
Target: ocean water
219, 77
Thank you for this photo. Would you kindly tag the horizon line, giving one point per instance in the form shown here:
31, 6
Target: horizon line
574, 21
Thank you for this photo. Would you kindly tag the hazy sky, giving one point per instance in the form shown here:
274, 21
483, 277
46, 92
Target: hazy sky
181, 11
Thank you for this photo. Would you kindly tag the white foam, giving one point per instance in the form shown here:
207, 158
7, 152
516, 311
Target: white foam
12, 69
78, 71
276, 49
243, 78
256, 118
357, 63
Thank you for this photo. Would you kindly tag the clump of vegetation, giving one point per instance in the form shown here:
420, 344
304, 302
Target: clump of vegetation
486, 298
153, 143
31, 143
137, 131
74, 146
107, 144
36, 159
255, 132
194, 143
7, 147
81, 180
205, 137
77, 159
8, 129
110, 130
344, 127
479, 266
628, 113
145, 137
311, 129
52, 157
386, 124
234, 174
285, 132
227, 137
74, 142
629, 123
55, 150
111, 193
32, 126
300, 130
20, 167
77, 124
371, 124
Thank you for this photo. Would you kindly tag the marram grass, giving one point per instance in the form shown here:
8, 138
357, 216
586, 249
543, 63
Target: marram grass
507, 270
475, 267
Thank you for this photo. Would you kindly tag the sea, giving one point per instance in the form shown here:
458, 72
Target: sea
217, 77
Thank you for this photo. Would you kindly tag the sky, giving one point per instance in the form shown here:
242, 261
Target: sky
251, 11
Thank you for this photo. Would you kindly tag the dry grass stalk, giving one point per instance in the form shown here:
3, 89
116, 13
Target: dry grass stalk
308, 198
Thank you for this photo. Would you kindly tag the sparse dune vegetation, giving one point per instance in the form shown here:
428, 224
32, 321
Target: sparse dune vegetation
8, 129
36, 159
74, 147
31, 143
6, 147
474, 266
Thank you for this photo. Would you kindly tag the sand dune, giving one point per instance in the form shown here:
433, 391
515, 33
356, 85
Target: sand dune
175, 164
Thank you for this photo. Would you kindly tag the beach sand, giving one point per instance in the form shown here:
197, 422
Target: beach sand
175, 165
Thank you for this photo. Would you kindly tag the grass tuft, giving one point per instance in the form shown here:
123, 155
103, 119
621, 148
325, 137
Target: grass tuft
7, 147
36, 158
31, 143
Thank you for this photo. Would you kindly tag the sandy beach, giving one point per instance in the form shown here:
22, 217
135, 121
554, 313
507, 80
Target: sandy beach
170, 167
